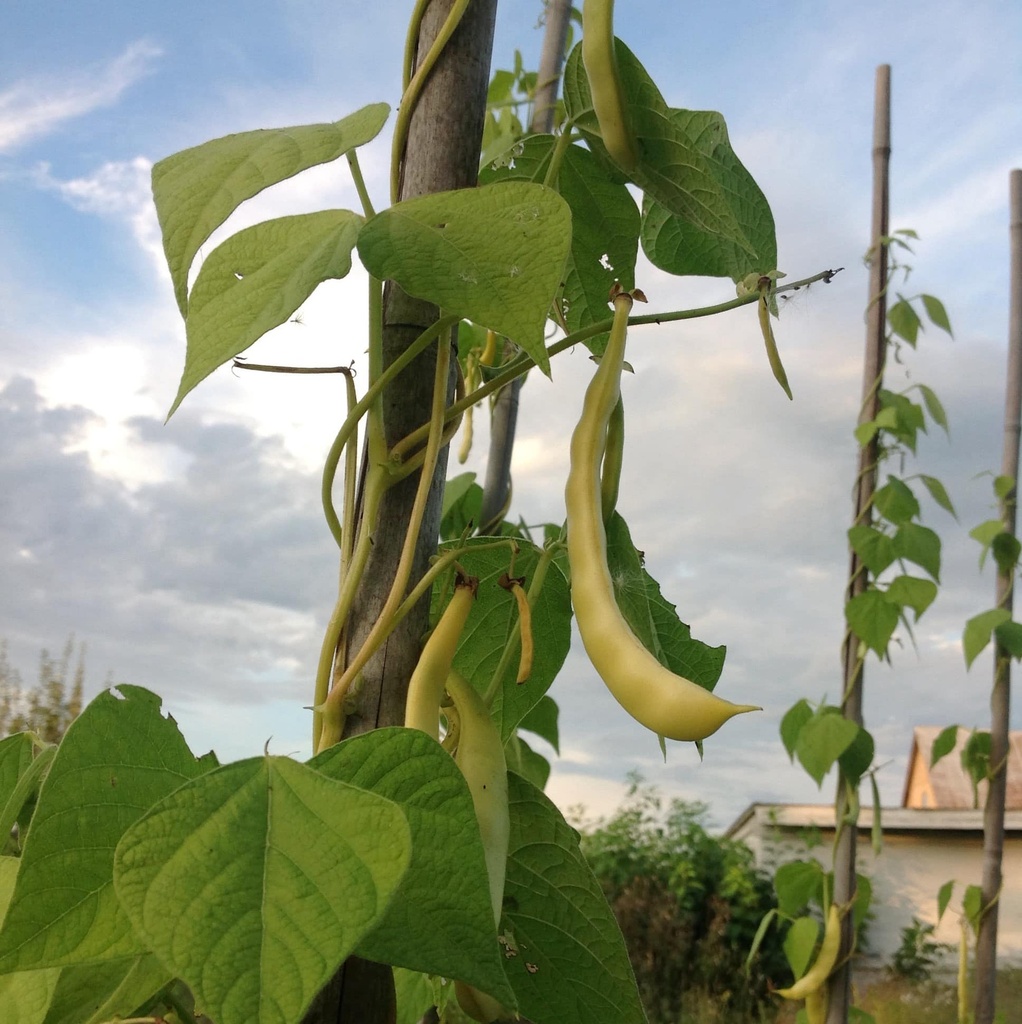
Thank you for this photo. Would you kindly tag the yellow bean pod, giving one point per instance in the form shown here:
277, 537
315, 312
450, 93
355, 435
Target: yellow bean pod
480, 756
815, 977
668, 704
426, 687
600, 61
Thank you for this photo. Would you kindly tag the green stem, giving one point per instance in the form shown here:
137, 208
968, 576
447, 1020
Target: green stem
377, 482
564, 140
348, 428
333, 705
523, 363
413, 90
412, 42
360, 185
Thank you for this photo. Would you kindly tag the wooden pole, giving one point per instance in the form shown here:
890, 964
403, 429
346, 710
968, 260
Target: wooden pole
1000, 698
444, 138
858, 578
504, 417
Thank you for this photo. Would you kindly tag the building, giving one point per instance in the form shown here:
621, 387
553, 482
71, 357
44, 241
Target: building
934, 837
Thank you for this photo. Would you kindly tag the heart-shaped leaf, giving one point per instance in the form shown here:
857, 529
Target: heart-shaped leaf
494, 255
255, 881
196, 190
255, 280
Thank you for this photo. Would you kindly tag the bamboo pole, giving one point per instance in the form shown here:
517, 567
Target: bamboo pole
504, 417
1000, 697
858, 578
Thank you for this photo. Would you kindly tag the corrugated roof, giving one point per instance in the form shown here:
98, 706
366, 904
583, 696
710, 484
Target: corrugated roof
947, 785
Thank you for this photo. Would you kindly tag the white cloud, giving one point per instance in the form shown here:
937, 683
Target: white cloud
37, 106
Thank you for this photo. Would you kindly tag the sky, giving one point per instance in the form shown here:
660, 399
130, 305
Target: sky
192, 557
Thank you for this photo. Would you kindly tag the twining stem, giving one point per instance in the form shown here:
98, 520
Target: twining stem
333, 721
348, 428
413, 90
377, 482
350, 472
523, 363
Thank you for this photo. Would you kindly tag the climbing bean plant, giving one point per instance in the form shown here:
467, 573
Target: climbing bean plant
151, 882
902, 558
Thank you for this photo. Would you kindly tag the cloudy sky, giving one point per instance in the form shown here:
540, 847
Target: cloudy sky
192, 558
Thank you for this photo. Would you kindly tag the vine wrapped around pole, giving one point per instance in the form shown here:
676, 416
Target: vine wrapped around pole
844, 853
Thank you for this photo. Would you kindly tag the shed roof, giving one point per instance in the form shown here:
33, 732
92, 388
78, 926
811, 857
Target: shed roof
946, 785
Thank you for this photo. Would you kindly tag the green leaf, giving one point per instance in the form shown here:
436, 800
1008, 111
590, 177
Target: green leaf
823, 740
876, 832
919, 545
570, 964
674, 244
604, 240
1009, 636
938, 493
542, 720
414, 995
653, 619
936, 313
875, 549
1003, 486
857, 756
863, 898
604, 226
972, 906
797, 883
97, 993
896, 502
873, 619
945, 742
934, 408
255, 281
116, 760
21, 772
672, 169
463, 504
904, 321
911, 592
524, 761
976, 634
791, 725
196, 190
1005, 549
799, 944
440, 920
494, 255
494, 617
984, 535
254, 882
25, 997
944, 898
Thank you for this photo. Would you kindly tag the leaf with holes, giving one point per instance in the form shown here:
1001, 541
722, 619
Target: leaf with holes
196, 190
255, 281
254, 882
570, 964
494, 255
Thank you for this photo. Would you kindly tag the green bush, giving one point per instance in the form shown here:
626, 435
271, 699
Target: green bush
689, 905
